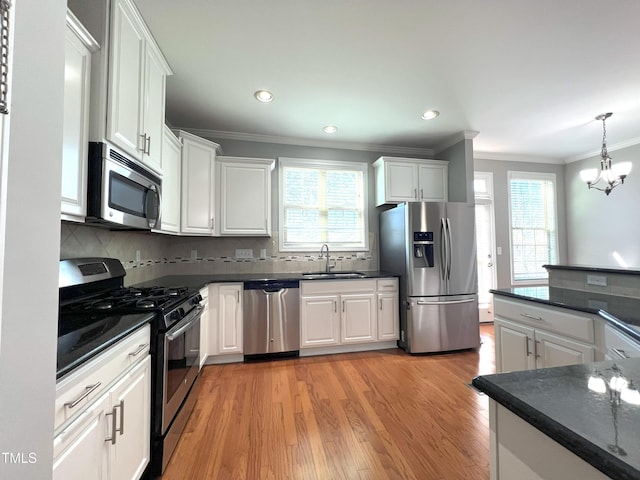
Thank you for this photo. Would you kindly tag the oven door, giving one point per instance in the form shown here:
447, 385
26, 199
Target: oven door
181, 364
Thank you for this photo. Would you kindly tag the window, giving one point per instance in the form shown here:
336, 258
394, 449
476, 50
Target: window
532, 214
323, 202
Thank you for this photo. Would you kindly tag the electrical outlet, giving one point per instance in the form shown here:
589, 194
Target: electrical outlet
360, 255
263, 253
598, 280
194, 254
244, 253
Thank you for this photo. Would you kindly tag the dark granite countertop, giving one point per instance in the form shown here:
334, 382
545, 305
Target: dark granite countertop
590, 268
621, 312
200, 280
82, 337
558, 402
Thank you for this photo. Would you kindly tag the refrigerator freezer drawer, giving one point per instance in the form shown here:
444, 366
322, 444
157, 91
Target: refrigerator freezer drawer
440, 324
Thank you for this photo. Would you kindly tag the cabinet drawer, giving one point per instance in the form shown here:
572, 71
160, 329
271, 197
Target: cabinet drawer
552, 319
619, 345
77, 390
387, 285
334, 287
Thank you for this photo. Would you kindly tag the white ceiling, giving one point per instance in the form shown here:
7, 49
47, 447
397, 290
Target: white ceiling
528, 75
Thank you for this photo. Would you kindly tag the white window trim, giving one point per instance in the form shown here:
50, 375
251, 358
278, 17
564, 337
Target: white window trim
337, 165
489, 199
533, 176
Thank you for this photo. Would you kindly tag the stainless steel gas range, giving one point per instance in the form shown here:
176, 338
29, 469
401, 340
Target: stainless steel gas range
96, 309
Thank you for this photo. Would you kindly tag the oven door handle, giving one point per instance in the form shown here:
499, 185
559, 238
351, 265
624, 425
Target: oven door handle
184, 324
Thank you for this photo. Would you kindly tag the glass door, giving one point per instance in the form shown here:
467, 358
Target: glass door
485, 238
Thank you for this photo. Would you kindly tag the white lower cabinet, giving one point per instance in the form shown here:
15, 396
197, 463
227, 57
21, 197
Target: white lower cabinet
108, 437
319, 321
204, 326
348, 312
224, 323
531, 336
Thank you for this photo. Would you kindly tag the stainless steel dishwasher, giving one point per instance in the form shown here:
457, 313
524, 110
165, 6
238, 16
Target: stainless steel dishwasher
271, 318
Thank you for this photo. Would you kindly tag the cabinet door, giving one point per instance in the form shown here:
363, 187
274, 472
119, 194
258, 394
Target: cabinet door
401, 182
153, 109
126, 62
129, 455
77, 67
197, 187
80, 452
554, 351
514, 347
358, 318
245, 199
171, 165
204, 326
319, 321
432, 181
230, 319
388, 316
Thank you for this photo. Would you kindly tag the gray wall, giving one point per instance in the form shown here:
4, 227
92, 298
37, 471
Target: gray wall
461, 167
599, 225
499, 168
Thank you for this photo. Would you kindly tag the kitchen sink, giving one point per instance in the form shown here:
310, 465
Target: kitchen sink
321, 275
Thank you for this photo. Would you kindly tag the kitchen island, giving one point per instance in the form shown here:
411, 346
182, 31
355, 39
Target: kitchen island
567, 421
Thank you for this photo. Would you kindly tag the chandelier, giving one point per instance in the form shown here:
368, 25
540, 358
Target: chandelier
612, 175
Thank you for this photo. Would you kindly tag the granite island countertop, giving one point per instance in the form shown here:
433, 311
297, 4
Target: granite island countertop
558, 402
621, 312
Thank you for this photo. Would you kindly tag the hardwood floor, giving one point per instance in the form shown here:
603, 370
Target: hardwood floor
371, 415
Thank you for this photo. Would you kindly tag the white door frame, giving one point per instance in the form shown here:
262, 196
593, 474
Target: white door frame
483, 188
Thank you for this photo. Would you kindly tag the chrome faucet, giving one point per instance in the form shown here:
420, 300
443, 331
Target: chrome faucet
328, 266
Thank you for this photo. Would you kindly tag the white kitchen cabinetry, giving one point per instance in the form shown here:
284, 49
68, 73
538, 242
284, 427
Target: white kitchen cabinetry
75, 136
230, 318
244, 186
136, 87
388, 309
102, 414
204, 325
345, 313
198, 180
410, 180
128, 80
171, 175
535, 336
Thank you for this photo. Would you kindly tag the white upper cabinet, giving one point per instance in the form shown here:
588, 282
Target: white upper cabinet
244, 195
136, 87
198, 176
170, 199
77, 77
128, 80
410, 180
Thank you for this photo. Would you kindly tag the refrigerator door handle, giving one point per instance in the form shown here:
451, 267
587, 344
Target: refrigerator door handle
445, 302
449, 247
443, 249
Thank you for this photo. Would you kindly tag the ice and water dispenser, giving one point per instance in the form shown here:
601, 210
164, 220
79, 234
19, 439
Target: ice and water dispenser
423, 249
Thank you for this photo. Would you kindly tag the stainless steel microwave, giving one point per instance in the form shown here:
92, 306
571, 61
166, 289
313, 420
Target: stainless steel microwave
120, 192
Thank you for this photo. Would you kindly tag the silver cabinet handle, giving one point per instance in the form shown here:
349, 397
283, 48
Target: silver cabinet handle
4, 55
415, 193
342, 306
421, 194
335, 306
618, 351
536, 349
143, 136
114, 429
139, 349
87, 391
526, 315
528, 351
380, 303
147, 149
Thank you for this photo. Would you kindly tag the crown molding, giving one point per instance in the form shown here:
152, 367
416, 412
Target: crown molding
611, 148
254, 137
510, 157
458, 137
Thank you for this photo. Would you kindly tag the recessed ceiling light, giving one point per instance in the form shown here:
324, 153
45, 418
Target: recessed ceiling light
430, 114
330, 129
264, 96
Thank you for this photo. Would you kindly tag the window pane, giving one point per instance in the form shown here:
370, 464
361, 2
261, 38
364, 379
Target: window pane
323, 202
533, 234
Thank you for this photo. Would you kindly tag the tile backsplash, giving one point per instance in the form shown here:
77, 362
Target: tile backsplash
148, 255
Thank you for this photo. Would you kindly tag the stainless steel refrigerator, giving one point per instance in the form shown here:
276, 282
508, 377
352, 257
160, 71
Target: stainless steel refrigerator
432, 247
